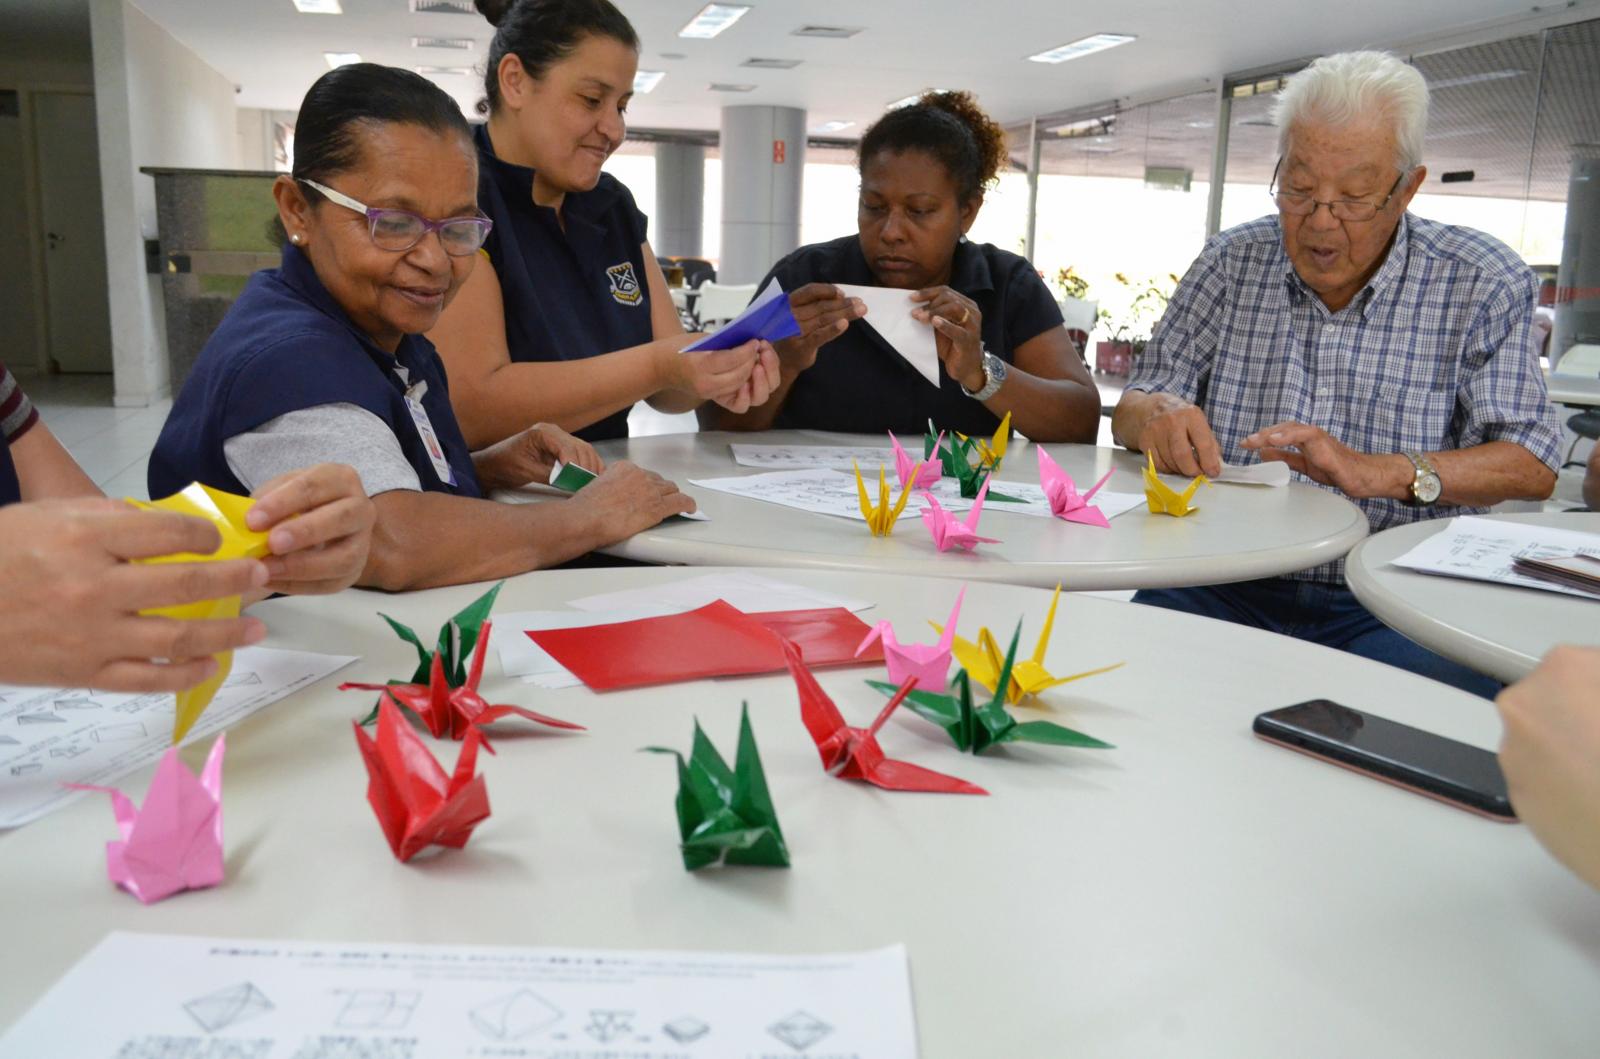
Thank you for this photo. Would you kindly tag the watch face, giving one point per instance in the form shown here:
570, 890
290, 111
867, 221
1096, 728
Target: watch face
1427, 488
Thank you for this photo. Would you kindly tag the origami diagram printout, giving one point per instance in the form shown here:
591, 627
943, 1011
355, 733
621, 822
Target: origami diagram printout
854, 753
768, 316
926, 665
889, 314
416, 803
726, 816
984, 663
173, 841
227, 513
805, 457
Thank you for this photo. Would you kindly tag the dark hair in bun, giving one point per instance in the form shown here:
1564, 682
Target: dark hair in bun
542, 32
952, 128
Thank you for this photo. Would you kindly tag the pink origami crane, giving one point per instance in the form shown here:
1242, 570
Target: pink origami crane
904, 465
951, 532
174, 841
927, 664
1065, 500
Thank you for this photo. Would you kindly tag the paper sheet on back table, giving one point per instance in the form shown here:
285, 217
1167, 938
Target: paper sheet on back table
156, 995
52, 736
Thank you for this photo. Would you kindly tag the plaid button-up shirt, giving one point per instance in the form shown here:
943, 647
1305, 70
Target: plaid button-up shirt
1435, 353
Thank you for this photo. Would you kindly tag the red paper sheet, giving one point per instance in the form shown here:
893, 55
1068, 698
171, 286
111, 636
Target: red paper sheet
714, 641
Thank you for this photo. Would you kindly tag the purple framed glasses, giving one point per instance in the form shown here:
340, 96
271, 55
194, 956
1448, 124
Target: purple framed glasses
400, 230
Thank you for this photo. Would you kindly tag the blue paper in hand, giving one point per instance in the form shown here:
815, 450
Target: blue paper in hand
768, 317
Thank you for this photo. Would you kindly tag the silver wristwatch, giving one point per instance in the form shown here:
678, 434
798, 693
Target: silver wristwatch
994, 376
1425, 484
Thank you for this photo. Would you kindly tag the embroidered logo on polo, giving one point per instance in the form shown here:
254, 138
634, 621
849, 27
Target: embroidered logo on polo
624, 284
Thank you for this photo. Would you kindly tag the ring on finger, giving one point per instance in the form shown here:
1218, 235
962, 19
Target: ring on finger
965, 313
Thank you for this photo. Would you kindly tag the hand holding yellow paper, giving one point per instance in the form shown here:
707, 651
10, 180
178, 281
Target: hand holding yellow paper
984, 661
226, 512
1162, 498
880, 516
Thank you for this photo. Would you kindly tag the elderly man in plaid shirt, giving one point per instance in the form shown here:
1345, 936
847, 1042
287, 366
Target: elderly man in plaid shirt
1376, 353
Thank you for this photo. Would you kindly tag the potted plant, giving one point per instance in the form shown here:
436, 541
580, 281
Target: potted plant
1078, 313
1130, 330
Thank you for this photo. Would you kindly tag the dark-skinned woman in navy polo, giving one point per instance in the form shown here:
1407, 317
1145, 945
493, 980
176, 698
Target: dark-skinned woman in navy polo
568, 320
998, 331
325, 355
71, 599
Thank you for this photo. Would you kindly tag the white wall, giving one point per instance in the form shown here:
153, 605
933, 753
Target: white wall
158, 104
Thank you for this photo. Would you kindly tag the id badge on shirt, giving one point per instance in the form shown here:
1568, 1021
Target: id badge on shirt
430, 440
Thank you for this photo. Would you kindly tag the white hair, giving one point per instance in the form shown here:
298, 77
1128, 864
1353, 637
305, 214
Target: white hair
1353, 87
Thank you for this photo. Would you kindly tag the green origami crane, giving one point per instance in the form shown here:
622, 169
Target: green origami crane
457, 638
963, 459
978, 727
726, 816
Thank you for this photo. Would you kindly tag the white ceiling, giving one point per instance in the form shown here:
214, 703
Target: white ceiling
273, 53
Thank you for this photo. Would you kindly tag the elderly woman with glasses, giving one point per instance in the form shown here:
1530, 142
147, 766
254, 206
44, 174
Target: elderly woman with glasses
1380, 355
323, 359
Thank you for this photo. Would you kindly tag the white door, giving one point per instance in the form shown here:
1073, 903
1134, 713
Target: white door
76, 296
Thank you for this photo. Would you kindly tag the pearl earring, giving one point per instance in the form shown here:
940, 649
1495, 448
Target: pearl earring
296, 239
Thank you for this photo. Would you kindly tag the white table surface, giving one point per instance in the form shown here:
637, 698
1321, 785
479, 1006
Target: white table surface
1578, 390
1194, 892
1501, 630
1240, 532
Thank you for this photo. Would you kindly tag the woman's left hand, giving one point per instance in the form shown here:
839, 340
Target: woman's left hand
530, 456
758, 387
958, 333
320, 521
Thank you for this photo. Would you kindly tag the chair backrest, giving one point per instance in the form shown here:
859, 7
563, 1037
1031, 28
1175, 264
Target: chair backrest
719, 302
696, 271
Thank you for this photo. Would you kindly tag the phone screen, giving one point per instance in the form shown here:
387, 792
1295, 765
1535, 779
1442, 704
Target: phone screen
1432, 764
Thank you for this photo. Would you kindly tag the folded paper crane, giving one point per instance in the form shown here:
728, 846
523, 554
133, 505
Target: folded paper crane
416, 803
927, 664
1065, 500
926, 471
881, 517
978, 726
950, 532
174, 841
854, 753
1165, 500
226, 512
968, 461
444, 709
983, 661
991, 452
726, 816
457, 639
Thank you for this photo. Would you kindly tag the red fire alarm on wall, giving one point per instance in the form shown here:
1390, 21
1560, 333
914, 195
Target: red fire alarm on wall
778, 152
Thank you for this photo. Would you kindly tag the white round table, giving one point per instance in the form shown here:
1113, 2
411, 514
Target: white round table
1240, 532
1501, 630
1193, 892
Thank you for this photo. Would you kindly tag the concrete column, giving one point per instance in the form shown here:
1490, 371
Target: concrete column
763, 160
676, 228
1578, 281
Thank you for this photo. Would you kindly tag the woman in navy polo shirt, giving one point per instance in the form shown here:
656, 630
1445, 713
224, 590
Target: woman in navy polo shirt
568, 320
70, 600
999, 331
323, 358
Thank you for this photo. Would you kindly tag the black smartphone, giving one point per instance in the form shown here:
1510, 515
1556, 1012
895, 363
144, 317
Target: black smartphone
1467, 777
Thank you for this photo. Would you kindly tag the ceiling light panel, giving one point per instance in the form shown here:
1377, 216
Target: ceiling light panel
771, 64
318, 7
445, 71
908, 100
451, 43
337, 59
1079, 48
646, 80
1475, 79
725, 87
828, 32
444, 7
832, 126
713, 19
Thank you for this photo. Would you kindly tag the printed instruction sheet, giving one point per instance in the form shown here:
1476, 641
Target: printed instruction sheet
52, 736
162, 996
1482, 549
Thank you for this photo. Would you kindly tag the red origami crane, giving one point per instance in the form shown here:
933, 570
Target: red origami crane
854, 753
443, 708
417, 804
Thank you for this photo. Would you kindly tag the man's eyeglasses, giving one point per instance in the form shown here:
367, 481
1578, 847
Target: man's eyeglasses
1298, 205
400, 230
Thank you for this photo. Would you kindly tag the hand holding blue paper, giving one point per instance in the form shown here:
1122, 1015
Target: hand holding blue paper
768, 316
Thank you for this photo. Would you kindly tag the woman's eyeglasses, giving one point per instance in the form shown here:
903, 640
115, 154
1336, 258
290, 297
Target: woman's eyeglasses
1299, 205
400, 230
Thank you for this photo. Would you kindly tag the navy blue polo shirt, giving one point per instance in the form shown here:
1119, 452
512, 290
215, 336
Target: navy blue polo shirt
287, 345
10, 489
860, 385
568, 293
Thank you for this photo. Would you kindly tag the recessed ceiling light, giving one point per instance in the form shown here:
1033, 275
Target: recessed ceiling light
673, 55
908, 100
1198, 124
444, 7
713, 19
832, 126
318, 7
771, 64
453, 43
724, 87
1475, 79
447, 71
337, 59
1079, 48
646, 80
831, 32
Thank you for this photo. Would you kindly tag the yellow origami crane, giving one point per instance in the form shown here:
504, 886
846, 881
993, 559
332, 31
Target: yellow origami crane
1162, 498
984, 660
991, 452
226, 512
881, 517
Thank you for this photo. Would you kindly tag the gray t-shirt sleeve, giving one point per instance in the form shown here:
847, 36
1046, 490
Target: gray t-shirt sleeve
327, 433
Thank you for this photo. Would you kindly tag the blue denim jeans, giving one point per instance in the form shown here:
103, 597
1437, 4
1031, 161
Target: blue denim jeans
1329, 615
